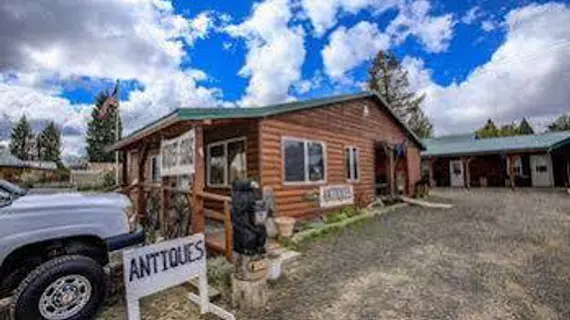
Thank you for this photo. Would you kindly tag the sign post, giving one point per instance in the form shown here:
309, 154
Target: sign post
163, 265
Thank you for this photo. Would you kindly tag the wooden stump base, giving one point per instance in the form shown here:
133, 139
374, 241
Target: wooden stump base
249, 294
249, 281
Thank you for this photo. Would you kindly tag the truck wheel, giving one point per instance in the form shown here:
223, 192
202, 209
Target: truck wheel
65, 288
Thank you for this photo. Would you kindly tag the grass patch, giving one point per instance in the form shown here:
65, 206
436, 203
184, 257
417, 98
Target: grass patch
340, 222
219, 272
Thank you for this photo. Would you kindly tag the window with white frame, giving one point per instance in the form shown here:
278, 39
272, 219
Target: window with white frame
304, 161
154, 168
352, 161
226, 162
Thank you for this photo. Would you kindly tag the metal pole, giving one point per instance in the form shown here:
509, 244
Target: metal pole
117, 136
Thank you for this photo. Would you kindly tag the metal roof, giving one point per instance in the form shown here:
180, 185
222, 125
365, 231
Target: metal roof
254, 112
9, 160
468, 144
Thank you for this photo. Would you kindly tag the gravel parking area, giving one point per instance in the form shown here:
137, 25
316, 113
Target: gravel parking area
497, 254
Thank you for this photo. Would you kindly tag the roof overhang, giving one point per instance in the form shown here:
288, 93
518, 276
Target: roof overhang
178, 115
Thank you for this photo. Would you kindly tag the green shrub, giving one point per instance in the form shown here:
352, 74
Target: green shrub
109, 179
219, 272
350, 211
336, 217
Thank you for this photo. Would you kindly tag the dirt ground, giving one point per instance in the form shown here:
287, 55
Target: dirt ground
497, 254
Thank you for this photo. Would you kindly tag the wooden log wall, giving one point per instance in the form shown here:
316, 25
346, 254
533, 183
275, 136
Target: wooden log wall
360, 124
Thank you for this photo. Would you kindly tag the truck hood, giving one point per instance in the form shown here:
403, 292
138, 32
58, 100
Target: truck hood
66, 201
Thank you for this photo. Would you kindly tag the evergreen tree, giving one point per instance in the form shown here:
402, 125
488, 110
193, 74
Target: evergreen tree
509, 130
562, 123
389, 79
101, 130
525, 127
22, 139
49, 143
489, 130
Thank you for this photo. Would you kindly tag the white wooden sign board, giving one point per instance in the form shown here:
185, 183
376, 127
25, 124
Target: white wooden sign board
336, 195
177, 155
163, 265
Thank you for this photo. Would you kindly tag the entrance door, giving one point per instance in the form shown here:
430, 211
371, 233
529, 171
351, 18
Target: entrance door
541, 170
456, 173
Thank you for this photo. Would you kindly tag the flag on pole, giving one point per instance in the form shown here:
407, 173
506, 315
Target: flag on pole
111, 101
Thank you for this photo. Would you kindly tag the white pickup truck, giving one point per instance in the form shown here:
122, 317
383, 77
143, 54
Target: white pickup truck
53, 249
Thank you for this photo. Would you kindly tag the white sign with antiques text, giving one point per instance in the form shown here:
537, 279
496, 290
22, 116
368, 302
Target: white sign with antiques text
336, 195
156, 267
177, 155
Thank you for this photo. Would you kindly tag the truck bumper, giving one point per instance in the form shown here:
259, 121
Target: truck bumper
126, 240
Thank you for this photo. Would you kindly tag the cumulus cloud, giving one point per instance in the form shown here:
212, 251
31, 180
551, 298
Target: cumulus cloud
324, 14
527, 76
347, 48
48, 45
275, 54
434, 32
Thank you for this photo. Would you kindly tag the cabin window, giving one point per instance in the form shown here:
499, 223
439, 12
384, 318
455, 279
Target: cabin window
226, 162
352, 160
154, 168
304, 160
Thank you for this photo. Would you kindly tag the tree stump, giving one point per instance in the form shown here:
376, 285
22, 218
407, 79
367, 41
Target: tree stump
249, 282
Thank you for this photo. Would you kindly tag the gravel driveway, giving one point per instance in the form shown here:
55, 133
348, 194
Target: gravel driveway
496, 255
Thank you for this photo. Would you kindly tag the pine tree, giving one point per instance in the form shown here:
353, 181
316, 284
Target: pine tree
101, 131
49, 143
562, 123
525, 127
389, 79
22, 139
509, 130
489, 130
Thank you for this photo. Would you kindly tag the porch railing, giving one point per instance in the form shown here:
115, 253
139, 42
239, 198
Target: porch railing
167, 212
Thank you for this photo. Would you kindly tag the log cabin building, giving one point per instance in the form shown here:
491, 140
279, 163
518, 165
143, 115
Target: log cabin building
294, 149
537, 160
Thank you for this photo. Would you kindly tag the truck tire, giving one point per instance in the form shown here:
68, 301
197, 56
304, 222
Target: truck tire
65, 288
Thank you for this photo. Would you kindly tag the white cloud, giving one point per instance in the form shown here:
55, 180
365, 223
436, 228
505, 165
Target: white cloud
472, 15
434, 32
488, 25
307, 85
527, 76
348, 48
324, 14
275, 54
47, 44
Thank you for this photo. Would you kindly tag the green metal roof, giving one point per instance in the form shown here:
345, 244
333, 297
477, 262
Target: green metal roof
467, 144
256, 112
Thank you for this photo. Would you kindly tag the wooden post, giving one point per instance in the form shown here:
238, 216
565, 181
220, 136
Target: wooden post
198, 218
228, 229
392, 170
141, 203
125, 169
466, 162
512, 170
430, 169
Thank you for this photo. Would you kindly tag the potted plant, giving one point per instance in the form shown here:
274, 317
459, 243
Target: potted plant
285, 226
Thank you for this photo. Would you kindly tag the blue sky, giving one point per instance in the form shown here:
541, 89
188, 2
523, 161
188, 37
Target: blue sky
472, 59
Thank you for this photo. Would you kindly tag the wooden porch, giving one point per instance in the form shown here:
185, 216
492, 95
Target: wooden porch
166, 210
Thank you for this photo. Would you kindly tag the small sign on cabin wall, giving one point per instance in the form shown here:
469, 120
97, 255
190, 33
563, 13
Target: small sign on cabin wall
177, 155
336, 195
156, 267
